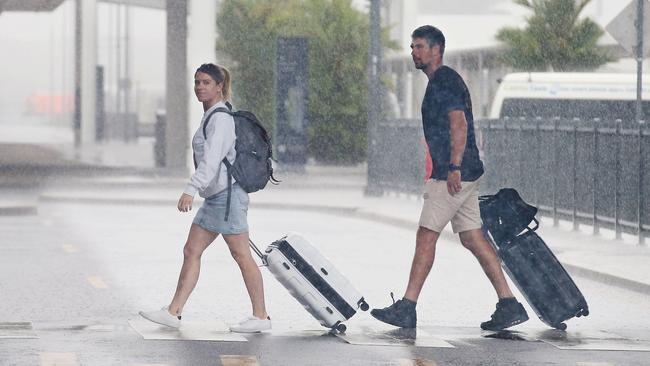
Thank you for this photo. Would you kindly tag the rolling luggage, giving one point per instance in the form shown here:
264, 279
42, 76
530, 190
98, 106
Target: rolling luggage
529, 262
321, 289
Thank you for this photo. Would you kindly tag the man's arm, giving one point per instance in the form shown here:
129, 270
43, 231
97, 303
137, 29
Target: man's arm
458, 137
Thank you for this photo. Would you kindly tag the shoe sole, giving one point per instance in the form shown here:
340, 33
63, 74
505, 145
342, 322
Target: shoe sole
142, 314
393, 324
511, 324
249, 331
246, 331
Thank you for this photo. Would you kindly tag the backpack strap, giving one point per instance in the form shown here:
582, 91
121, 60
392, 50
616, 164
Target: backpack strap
228, 170
225, 160
207, 120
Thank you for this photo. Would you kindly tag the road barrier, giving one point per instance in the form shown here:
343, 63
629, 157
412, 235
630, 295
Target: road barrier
589, 172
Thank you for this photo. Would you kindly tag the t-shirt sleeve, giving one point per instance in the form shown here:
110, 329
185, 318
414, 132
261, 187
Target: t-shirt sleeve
451, 95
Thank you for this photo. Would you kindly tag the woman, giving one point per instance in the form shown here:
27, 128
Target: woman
210, 180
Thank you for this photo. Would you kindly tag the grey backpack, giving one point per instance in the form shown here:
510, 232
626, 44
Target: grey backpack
252, 168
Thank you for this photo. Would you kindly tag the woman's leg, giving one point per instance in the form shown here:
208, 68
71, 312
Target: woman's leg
238, 245
197, 241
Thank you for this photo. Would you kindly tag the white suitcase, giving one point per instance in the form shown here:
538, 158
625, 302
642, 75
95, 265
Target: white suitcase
321, 289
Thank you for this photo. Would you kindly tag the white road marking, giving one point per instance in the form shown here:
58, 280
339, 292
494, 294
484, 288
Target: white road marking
97, 282
58, 359
238, 360
69, 248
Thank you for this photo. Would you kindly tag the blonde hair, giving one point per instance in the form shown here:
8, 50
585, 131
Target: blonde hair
226, 83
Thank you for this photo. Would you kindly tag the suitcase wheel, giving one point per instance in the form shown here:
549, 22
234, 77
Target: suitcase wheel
582, 312
341, 328
363, 305
561, 326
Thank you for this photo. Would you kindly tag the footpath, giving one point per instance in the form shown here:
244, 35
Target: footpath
328, 189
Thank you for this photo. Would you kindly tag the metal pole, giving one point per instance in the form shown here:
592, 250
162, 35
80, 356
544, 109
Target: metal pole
595, 182
128, 130
639, 58
639, 111
641, 198
538, 161
556, 219
374, 100
576, 224
76, 116
617, 187
118, 116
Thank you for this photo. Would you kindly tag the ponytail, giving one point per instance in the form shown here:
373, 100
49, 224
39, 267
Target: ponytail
226, 83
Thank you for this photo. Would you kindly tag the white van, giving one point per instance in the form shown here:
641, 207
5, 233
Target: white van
569, 95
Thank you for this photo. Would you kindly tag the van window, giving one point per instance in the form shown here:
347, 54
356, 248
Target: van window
572, 108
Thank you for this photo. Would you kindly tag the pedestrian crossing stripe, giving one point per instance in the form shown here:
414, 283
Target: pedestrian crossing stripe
97, 282
416, 362
58, 359
238, 360
69, 248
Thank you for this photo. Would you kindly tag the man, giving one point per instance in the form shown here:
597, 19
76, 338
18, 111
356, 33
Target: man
452, 192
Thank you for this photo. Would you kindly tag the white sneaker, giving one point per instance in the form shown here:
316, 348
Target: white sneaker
162, 317
252, 324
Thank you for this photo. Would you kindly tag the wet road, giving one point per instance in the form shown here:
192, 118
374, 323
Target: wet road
80, 272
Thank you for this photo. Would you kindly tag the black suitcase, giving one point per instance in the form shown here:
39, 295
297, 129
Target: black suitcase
529, 262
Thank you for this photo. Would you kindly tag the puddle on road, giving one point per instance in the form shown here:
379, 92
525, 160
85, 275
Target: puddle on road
394, 337
509, 335
592, 340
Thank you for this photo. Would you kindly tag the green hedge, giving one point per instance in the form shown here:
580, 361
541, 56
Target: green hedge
338, 89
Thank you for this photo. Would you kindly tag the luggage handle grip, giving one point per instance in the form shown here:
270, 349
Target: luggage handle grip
536, 225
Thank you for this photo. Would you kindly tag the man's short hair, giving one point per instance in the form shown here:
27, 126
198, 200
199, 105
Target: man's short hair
433, 36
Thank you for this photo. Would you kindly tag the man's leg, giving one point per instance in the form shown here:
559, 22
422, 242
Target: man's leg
476, 243
402, 312
508, 311
438, 207
425, 252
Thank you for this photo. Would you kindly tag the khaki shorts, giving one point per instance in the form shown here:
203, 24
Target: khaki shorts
439, 207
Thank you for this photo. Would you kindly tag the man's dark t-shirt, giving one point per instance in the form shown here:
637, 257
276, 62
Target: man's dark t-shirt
447, 92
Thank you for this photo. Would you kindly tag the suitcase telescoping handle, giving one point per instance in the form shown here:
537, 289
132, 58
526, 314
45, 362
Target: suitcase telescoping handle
257, 251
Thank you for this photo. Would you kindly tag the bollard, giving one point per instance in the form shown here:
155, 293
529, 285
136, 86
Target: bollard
159, 134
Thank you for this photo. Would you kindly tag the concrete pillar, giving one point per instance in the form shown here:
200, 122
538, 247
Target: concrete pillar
176, 135
85, 77
408, 100
201, 36
398, 16
409, 13
374, 99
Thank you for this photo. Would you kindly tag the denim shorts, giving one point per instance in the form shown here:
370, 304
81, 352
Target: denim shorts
211, 216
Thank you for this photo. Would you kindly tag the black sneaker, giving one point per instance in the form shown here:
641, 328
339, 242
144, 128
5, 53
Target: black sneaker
400, 314
509, 312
